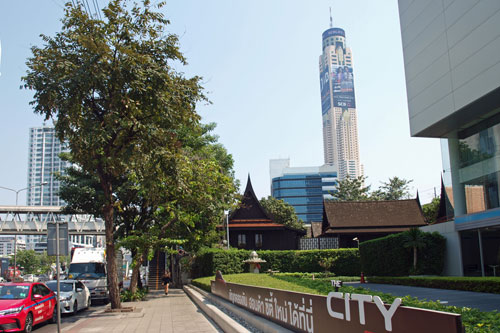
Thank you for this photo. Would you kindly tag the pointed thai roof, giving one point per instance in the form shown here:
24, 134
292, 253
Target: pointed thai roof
250, 207
445, 210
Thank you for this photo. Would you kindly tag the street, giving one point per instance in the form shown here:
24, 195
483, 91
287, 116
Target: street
68, 319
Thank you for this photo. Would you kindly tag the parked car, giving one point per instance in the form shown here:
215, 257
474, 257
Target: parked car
43, 278
74, 295
24, 304
30, 278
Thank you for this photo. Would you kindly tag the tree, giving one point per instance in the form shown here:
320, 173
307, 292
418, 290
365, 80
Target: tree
29, 260
352, 189
430, 210
396, 189
414, 239
282, 212
110, 86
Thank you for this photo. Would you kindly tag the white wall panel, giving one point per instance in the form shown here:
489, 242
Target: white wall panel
434, 72
477, 87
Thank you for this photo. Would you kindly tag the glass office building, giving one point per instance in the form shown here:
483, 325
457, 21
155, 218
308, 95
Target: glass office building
304, 188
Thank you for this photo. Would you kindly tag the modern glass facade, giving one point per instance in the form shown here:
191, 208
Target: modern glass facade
479, 165
305, 192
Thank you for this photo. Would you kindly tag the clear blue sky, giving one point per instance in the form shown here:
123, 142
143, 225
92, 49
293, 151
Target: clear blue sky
259, 63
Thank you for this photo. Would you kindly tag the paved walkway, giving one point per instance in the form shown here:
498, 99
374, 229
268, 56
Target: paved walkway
160, 313
481, 301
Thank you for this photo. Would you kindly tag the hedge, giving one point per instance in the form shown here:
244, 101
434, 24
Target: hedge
387, 256
208, 261
477, 284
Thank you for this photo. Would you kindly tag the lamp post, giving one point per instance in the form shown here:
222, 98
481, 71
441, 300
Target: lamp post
227, 226
357, 240
17, 200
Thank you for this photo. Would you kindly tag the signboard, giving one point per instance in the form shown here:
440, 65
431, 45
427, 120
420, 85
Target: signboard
324, 80
333, 32
63, 239
343, 87
336, 312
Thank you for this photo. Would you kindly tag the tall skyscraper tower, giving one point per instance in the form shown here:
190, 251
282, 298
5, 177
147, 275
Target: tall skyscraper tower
43, 162
338, 105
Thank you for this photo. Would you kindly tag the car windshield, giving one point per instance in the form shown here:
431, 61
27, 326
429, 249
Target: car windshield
86, 271
63, 286
14, 292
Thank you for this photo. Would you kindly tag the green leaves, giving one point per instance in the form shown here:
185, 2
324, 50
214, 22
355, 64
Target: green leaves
354, 189
282, 212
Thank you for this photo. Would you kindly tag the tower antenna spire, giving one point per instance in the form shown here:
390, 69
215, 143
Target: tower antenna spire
331, 22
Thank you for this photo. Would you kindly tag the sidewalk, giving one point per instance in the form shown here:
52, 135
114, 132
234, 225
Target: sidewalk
159, 313
481, 301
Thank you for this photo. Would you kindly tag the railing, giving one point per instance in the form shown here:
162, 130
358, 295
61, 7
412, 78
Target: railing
32, 220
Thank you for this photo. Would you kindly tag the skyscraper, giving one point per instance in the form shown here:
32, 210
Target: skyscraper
338, 105
43, 162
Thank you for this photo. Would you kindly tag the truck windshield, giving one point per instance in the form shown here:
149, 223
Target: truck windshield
89, 270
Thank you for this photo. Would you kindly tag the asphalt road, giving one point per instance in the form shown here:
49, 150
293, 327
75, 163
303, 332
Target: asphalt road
481, 301
67, 320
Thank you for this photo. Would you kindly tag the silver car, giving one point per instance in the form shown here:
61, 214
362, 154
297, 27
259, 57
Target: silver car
74, 295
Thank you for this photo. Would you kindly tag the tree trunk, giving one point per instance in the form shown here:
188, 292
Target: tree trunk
415, 258
136, 272
114, 291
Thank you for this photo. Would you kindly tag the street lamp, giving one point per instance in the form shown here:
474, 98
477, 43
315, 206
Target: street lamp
227, 226
357, 240
17, 199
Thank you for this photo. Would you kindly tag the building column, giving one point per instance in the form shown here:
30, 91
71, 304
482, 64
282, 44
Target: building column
459, 201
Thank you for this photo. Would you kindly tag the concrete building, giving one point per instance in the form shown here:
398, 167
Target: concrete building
7, 245
452, 64
340, 129
304, 188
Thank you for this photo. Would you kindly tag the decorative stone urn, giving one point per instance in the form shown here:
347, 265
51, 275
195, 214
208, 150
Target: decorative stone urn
254, 261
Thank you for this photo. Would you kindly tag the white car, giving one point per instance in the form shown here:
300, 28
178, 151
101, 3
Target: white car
74, 296
30, 278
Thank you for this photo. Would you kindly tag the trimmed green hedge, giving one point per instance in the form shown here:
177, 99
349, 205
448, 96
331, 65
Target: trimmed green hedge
387, 256
477, 284
208, 261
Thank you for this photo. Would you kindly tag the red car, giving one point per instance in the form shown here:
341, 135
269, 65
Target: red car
23, 305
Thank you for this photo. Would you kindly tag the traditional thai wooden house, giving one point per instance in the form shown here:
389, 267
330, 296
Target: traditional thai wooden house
358, 221
252, 228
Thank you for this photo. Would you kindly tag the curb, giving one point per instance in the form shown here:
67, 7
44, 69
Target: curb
254, 320
226, 323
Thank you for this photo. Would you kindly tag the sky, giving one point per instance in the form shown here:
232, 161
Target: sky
259, 63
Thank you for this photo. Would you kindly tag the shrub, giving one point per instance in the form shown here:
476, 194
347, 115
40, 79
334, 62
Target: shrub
128, 296
387, 256
208, 261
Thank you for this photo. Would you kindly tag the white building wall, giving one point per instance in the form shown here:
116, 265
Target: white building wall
453, 254
450, 56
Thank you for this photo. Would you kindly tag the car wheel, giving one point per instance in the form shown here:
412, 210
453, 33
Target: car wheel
89, 302
75, 307
28, 324
53, 319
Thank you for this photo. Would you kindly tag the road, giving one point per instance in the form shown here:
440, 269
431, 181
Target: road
67, 320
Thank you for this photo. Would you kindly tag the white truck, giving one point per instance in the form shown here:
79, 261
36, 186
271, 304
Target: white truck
89, 266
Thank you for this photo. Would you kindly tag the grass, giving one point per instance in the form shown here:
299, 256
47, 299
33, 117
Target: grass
472, 319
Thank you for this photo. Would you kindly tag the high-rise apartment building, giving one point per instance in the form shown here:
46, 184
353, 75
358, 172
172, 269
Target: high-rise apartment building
43, 163
338, 105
